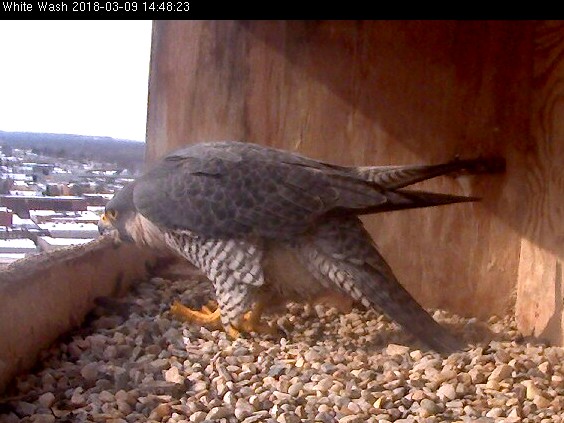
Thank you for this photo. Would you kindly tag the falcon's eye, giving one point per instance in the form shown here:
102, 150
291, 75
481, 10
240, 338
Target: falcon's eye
112, 214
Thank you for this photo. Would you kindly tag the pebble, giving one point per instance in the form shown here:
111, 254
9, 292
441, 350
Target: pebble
26, 408
446, 392
160, 411
46, 400
428, 408
469, 411
495, 412
295, 389
43, 418
256, 417
173, 375
217, 413
106, 396
123, 407
77, 399
198, 417
394, 349
276, 371
351, 368
288, 418
90, 371
502, 372
541, 402
312, 355
350, 419
532, 391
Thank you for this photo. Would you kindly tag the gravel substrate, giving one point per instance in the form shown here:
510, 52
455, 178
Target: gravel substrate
133, 362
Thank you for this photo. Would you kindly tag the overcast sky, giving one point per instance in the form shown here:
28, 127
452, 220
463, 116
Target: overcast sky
75, 77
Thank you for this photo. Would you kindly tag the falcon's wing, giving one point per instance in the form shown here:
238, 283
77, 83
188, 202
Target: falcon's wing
226, 190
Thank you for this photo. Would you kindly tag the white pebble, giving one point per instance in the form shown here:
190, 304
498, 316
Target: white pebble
495, 412
395, 349
173, 375
446, 392
217, 413
198, 417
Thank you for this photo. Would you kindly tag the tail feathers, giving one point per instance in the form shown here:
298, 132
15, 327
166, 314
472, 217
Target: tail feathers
394, 177
408, 199
382, 290
341, 253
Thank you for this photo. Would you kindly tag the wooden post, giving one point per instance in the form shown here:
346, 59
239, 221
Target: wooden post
386, 93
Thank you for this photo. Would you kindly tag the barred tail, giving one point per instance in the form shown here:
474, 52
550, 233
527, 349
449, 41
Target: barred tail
341, 252
408, 199
394, 177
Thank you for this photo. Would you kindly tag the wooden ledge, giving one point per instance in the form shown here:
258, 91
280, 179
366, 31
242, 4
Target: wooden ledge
44, 296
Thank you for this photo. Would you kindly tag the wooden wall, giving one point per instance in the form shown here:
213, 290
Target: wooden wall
397, 93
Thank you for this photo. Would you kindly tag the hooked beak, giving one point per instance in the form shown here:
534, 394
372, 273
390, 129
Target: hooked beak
105, 226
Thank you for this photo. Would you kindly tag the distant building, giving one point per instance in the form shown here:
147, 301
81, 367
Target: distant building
19, 177
18, 245
6, 217
97, 210
71, 230
23, 193
24, 224
21, 205
42, 168
44, 216
99, 200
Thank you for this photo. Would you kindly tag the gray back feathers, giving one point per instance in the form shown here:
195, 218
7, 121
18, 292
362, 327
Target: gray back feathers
232, 189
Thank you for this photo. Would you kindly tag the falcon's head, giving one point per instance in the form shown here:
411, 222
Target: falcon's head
119, 214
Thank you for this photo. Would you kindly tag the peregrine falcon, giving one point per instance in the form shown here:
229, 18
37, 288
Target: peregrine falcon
268, 226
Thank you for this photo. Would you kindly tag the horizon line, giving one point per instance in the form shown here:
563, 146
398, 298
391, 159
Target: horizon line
79, 135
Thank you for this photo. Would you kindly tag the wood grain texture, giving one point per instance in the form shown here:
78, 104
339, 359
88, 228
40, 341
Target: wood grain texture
372, 93
540, 292
540, 295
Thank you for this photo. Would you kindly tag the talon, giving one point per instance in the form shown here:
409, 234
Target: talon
250, 322
210, 315
210, 307
204, 317
232, 332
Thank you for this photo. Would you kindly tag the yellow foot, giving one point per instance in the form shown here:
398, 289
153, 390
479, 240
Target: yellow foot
204, 317
210, 307
250, 322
